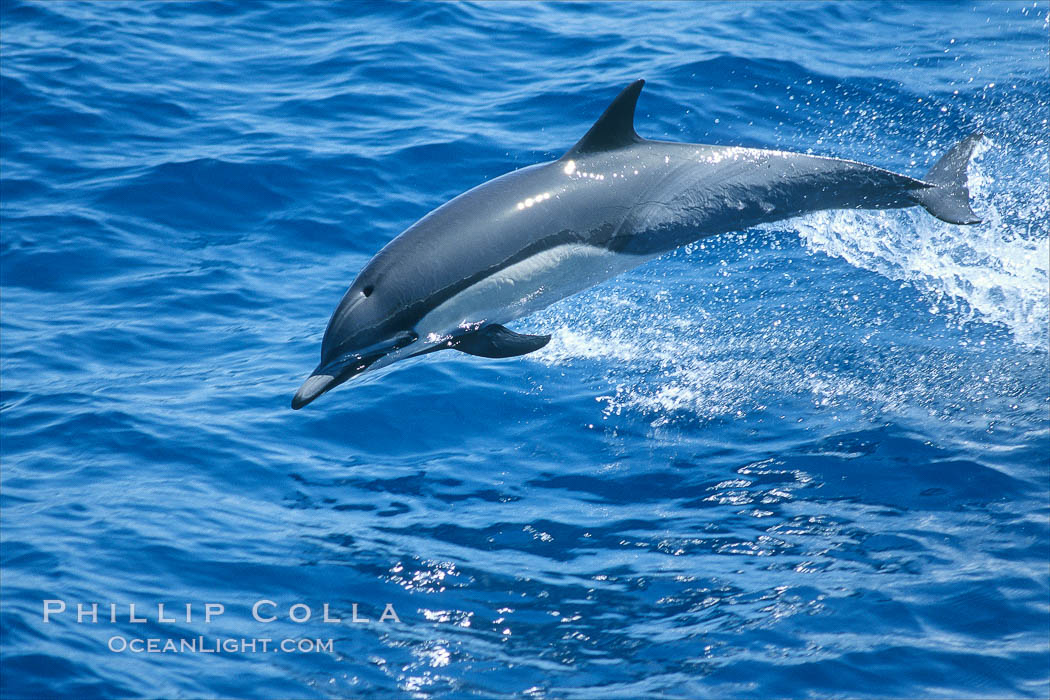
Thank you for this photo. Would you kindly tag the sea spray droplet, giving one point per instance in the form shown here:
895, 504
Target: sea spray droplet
994, 272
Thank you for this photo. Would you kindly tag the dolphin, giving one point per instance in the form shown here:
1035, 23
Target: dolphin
522, 241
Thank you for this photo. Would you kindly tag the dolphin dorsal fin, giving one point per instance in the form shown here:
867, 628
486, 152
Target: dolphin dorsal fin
615, 128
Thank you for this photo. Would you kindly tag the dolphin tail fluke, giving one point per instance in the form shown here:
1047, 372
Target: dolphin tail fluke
948, 198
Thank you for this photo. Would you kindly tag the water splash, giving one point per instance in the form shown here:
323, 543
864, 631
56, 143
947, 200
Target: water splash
995, 272
707, 367
714, 345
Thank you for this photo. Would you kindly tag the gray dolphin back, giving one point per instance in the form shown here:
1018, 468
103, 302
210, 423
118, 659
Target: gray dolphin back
520, 242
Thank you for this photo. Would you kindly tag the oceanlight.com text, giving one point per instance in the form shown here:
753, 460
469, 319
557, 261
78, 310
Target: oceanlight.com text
218, 645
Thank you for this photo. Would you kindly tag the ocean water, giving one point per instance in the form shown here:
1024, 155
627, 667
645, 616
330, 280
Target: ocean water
805, 460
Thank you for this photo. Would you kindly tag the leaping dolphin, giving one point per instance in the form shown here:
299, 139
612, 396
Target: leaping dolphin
522, 241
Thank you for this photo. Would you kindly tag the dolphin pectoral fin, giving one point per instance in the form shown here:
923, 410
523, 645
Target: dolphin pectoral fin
496, 341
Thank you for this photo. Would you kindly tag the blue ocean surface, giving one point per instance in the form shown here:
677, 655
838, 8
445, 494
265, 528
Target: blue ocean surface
806, 460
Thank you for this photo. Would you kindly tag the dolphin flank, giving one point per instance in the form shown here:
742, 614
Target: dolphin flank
522, 241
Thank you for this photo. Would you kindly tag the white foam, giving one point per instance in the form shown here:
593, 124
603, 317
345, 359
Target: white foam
666, 358
996, 271
707, 368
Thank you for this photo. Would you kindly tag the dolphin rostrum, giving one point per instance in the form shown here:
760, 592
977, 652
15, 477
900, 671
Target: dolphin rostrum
524, 240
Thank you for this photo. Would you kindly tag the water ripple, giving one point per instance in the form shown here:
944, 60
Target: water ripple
809, 459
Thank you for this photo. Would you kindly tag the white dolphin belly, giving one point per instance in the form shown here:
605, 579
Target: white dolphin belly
524, 287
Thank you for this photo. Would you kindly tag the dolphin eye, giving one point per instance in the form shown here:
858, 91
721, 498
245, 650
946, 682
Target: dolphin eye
367, 291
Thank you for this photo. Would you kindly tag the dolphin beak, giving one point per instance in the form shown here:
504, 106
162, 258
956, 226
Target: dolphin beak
314, 386
332, 374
